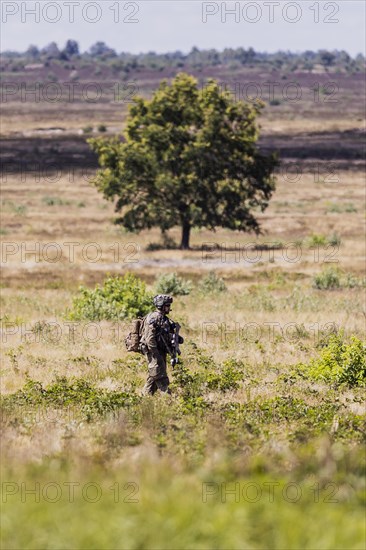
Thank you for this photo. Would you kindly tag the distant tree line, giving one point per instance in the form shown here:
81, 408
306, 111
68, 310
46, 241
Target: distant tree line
197, 59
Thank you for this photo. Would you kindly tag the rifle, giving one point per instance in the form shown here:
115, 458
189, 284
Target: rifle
175, 345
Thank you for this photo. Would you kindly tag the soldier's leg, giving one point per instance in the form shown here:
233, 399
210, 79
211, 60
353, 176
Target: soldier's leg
163, 384
158, 378
150, 386
153, 368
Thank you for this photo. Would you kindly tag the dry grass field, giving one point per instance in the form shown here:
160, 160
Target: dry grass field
157, 472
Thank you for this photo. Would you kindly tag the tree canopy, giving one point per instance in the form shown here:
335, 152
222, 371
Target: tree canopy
71, 48
189, 157
195, 60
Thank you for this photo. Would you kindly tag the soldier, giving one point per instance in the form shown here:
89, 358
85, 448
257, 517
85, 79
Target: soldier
156, 342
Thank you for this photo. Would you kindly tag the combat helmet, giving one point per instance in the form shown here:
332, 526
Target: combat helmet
162, 300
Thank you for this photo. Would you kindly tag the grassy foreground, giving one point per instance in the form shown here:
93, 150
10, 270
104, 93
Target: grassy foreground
155, 504
239, 456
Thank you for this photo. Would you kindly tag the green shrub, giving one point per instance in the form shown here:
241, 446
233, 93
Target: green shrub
316, 240
328, 279
336, 208
321, 240
118, 298
210, 377
102, 128
341, 362
212, 284
230, 375
349, 207
88, 129
334, 240
54, 201
351, 281
171, 283
332, 277
77, 392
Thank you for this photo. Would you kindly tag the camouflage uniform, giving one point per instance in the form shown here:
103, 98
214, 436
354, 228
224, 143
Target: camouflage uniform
157, 328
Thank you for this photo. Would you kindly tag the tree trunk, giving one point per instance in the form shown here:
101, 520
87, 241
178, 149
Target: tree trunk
186, 230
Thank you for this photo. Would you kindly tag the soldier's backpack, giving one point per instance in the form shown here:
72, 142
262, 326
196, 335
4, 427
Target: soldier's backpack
133, 338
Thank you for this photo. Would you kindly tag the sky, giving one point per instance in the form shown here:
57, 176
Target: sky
170, 25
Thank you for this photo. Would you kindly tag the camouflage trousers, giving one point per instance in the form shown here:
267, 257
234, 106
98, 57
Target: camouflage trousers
158, 377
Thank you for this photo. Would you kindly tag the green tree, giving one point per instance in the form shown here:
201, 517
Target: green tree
326, 58
188, 157
71, 48
32, 51
51, 51
100, 49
